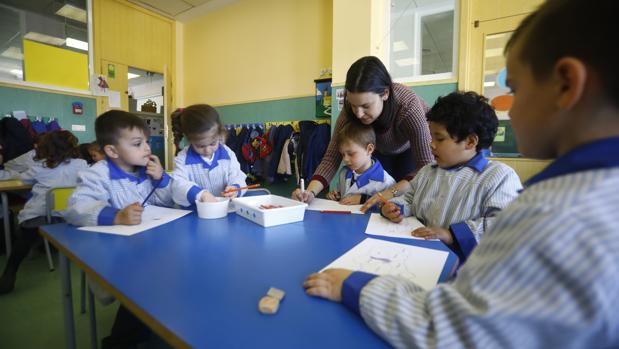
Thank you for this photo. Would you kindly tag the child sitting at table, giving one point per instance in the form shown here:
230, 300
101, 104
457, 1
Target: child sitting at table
13, 168
361, 176
55, 164
112, 190
91, 152
206, 167
458, 196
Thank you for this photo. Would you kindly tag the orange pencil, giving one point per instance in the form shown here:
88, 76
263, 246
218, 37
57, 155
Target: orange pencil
382, 198
242, 188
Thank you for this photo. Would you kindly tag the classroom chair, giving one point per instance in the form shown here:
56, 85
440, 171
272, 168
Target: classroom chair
56, 200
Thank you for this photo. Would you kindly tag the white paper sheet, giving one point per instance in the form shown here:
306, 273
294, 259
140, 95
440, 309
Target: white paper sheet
418, 264
153, 216
114, 99
330, 205
379, 225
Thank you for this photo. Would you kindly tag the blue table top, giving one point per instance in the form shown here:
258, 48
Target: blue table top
202, 279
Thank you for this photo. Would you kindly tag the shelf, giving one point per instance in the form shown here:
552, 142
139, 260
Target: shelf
145, 113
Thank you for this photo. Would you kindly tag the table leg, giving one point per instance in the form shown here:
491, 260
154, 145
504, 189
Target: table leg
67, 301
93, 319
7, 223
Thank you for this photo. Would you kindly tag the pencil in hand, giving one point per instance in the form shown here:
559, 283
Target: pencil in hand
242, 188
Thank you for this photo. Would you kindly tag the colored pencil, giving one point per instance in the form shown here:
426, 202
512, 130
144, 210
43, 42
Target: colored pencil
242, 188
335, 211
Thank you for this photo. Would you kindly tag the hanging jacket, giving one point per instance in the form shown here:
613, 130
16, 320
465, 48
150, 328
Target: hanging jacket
317, 146
14, 138
53, 125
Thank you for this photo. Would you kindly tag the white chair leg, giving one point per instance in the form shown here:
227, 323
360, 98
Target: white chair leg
50, 262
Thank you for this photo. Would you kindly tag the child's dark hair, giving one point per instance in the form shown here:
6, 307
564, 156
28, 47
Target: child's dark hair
356, 132
85, 151
56, 147
194, 120
572, 28
464, 114
368, 74
109, 124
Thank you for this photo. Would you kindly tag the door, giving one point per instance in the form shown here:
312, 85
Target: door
116, 75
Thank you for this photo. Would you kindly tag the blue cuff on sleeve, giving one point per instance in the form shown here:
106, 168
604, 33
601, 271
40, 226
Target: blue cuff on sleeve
465, 240
107, 215
165, 180
192, 193
351, 289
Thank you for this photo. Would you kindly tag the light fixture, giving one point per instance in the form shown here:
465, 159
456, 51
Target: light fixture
489, 83
399, 46
131, 76
44, 38
73, 12
13, 52
78, 44
405, 62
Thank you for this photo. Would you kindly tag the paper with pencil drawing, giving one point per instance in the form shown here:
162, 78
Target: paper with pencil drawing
418, 264
330, 205
379, 225
153, 216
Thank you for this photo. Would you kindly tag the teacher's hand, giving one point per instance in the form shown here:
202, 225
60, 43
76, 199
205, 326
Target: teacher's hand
303, 196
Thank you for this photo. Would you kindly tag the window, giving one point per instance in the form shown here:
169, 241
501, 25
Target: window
45, 42
423, 40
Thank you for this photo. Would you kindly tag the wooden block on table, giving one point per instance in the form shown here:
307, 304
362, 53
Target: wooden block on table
276, 293
268, 305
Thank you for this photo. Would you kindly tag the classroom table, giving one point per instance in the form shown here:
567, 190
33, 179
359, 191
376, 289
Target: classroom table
5, 187
197, 282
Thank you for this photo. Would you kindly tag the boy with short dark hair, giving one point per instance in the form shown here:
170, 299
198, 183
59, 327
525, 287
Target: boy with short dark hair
458, 196
362, 175
545, 275
111, 191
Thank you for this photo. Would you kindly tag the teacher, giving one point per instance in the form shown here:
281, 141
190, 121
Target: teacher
398, 117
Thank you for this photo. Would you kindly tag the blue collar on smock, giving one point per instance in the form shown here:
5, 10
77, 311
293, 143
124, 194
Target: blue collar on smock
117, 173
194, 158
591, 156
477, 162
374, 173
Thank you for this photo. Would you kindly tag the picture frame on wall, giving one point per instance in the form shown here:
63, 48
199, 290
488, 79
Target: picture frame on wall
323, 98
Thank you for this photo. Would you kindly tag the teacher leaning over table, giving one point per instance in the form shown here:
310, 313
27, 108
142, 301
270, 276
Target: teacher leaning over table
398, 117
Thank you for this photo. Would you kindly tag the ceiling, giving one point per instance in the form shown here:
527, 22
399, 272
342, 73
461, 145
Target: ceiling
182, 10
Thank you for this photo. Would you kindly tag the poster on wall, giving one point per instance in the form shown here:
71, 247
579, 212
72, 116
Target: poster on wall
323, 98
339, 96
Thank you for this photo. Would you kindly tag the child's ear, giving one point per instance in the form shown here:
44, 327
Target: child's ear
370, 148
471, 141
571, 74
110, 151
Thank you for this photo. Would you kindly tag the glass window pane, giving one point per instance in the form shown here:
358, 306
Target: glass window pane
421, 38
60, 26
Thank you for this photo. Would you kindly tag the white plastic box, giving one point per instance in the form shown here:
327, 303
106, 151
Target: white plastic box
249, 207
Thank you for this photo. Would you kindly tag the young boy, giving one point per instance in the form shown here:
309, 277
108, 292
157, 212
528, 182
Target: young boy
362, 176
112, 191
458, 196
545, 275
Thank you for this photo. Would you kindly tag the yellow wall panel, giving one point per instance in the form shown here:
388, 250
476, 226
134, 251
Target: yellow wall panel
486, 10
55, 66
133, 36
352, 35
256, 50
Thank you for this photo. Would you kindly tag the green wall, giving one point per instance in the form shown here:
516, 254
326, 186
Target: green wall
289, 109
47, 104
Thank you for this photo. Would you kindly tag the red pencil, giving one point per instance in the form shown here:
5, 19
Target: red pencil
242, 188
335, 211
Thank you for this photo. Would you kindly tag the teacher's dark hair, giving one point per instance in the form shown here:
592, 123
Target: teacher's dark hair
368, 74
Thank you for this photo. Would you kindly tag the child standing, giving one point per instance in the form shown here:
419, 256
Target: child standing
362, 175
458, 196
545, 275
112, 190
206, 168
56, 164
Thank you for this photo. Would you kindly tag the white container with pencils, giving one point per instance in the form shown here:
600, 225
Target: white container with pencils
270, 210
